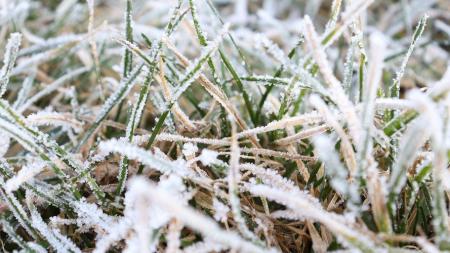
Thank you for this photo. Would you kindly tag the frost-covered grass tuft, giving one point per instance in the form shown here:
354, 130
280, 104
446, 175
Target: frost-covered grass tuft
224, 126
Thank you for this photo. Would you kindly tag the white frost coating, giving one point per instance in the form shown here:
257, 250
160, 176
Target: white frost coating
351, 13
25, 174
136, 201
194, 70
302, 135
377, 53
368, 166
428, 108
349, 65
12, 47
16, 208
141, 139
287, 214
43, 118
19, 135
393, 103
446, 179
432, 112
205, 246
137, 110
173, 236
24, 91
427, 246
208, 157
233, 179
13, 11
134, 245
56, 221
270, 177
274, 153
266, 80
34, 60
271, 48
376, 65
117, 231
412, 140
10, 231
442, 86
307, 118
142, 155
44, 45
124, 88
346, 145
4, 143
337, 224
399, 74
89, 214
58, 241
142, 215
52, 87
334, 86
189, 149
221, 210
335, 9
36, 247
153, 217
324, 147
196, 220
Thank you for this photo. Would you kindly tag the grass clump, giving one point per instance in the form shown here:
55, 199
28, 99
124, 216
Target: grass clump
224, 126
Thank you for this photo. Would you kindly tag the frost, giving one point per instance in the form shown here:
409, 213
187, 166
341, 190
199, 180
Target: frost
116, 97
208, 157
189, 149
12, 47
417, 34
4, 144
336, 172
57, 240
287, 214
272, 49
15, 11
335, 87
123, 128
142, 214
91, 215
52, 87
23, 138
193, 219
117, 232
24, 92
65, 120
221, 210
205, 247
301, 206
143, 156
312, 117
16, 208
194, 70
24, 175
156, 216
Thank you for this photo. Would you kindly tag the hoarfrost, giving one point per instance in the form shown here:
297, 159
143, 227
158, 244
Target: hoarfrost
208, 157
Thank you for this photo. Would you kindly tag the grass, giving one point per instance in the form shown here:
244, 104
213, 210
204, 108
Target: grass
224, 126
